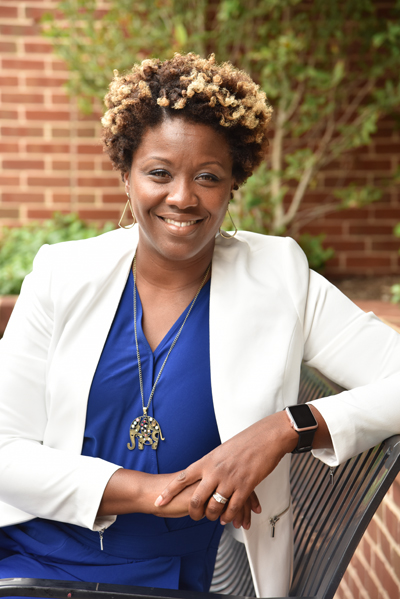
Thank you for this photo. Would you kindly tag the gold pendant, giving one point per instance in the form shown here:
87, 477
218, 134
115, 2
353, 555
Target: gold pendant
147, 431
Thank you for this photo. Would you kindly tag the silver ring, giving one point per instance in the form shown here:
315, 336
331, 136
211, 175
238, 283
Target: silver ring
220, 498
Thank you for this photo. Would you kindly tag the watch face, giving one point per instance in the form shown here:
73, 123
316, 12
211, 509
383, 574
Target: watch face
303, 416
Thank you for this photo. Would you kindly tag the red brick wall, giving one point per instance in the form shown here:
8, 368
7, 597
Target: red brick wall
374, 571
50, 155
51, 159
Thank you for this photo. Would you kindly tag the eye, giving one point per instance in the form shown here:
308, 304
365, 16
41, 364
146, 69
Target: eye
207, 177
160, 173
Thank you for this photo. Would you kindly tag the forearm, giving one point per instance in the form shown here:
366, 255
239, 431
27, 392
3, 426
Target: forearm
130, 491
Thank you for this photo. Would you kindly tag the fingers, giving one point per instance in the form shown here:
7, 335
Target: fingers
254, 503
184, 479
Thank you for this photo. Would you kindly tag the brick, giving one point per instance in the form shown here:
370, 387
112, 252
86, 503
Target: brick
60, 99
48, 181
328, 228
47, 115
86, 149
23, 164
8, 114
35, 13
107, 166
21, 197
385, 212
99, 214
9, 180
86, 132
8, 81
8, 47
374, 165
60, 165
86, 198
38, 47
58, 65
19, 30
22, 131
86, 166
61, 198
97, 182
47, 148
343, 245
59, 133
8, 12
387, 245
42, 214
23, 64
8, 147
9, 212
389, 147
368, 261
44, 82
361, 229
114, 198
22, 98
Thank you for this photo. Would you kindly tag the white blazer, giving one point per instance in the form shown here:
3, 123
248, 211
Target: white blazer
268, 312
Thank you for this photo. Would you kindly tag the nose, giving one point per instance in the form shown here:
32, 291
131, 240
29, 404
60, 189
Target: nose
182, 195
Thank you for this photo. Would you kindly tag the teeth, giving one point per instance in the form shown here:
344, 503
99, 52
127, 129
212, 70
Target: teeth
178, 223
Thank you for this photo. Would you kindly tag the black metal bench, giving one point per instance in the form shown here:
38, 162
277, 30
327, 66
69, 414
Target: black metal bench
329, 521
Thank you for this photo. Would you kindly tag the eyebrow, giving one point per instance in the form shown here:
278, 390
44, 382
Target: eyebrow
203, 164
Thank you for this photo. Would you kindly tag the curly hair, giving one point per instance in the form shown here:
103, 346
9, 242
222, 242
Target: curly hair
196, 88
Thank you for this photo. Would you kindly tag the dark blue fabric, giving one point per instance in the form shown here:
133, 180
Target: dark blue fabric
139, 549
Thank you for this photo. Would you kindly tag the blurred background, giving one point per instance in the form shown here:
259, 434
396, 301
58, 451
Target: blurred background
331, 70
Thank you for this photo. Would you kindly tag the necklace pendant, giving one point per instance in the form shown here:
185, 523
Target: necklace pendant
146, 430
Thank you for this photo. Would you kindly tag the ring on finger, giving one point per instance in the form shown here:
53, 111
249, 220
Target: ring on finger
220, 498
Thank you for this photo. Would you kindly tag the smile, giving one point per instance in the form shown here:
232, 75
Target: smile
178, 223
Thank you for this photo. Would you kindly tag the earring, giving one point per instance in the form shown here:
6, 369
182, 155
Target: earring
228, 236
128, 203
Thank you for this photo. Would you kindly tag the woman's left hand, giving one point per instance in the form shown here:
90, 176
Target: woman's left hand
233, 470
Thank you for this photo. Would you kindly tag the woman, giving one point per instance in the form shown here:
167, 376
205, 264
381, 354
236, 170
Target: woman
173, 348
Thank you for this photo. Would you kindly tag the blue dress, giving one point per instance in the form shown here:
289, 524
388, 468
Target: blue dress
138, 549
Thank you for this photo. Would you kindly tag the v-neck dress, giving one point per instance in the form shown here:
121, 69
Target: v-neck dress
138, 549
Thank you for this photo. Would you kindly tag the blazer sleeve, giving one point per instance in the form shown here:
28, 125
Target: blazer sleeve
40, 480
360, 353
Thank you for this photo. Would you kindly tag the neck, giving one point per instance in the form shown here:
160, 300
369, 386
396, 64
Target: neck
170, 275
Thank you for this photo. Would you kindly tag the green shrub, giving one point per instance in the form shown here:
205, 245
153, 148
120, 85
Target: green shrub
19, 246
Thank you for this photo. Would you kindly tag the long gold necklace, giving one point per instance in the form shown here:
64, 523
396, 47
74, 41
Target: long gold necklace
145, 428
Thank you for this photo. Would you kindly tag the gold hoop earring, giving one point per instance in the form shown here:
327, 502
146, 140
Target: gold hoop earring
233, 234
128, 203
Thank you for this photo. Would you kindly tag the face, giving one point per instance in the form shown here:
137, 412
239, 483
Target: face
180, 185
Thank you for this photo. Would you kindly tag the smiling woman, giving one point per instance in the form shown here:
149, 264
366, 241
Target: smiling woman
149, 372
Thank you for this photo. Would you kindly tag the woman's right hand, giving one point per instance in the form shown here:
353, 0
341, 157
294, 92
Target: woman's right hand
130, 491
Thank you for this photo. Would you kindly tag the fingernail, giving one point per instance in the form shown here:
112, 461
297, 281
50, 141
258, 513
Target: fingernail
223, 522
258, 509
158, 501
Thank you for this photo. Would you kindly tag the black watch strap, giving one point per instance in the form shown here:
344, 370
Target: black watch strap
305, 441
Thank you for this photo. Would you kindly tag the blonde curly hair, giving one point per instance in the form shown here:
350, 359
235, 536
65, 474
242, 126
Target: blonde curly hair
197, 89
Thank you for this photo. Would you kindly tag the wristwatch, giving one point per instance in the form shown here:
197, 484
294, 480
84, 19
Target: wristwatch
302, 420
